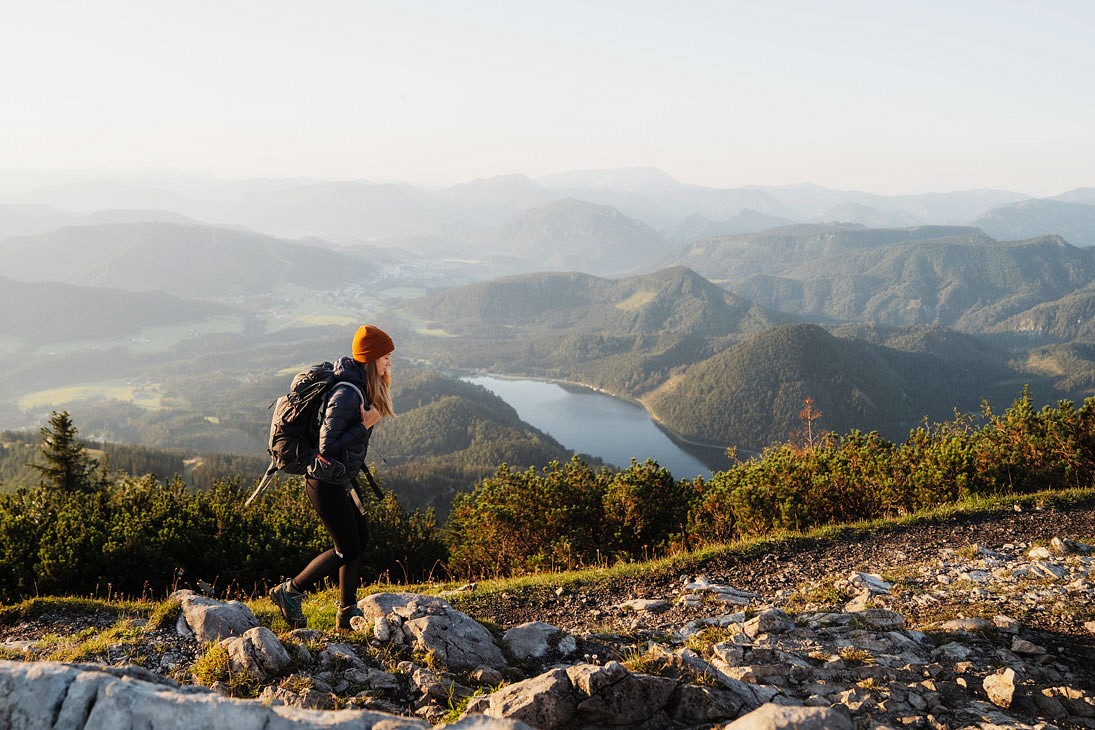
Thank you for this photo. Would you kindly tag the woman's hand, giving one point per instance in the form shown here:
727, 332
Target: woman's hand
370, 416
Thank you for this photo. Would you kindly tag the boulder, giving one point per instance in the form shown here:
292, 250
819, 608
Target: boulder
53, 696
693, 704
211, 620
433, 625
537, 639
257, 652
781, 717
546, 702
612, 696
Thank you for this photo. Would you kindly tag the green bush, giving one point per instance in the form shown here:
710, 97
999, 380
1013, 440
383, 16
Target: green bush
135, 536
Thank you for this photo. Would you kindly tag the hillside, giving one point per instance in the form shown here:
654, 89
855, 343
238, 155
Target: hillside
571, 235
624, 335
856, 615
63, 315
696, 227
970, 283
1072, 221
676, 300
448, 434
731, 259
205, 261
751, 394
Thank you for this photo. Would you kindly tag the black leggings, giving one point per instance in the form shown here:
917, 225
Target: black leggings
348, 530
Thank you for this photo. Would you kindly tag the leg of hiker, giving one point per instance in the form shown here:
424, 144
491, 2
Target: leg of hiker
346, 526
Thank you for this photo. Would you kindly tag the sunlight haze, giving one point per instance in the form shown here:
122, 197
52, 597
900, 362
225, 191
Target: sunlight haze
885, 97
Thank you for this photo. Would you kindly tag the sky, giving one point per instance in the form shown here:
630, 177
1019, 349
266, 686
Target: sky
885, 97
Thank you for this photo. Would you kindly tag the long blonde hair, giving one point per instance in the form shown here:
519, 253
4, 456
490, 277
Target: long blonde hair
378, 389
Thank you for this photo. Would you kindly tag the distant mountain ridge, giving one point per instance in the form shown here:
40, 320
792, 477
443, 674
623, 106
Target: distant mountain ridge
772, 251
359, 211
928, 275
1072, 221
45, 313
572, 235
187, 260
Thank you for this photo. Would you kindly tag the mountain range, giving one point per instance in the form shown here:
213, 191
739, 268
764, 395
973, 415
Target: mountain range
719, 309
951, 276
359, 211
718, 369
187, 259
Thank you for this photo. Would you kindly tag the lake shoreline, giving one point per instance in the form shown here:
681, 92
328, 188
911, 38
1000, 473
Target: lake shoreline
711, 457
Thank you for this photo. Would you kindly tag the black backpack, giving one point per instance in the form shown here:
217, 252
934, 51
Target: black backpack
294, 427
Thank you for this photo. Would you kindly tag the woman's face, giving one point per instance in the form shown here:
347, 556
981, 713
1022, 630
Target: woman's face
384, 365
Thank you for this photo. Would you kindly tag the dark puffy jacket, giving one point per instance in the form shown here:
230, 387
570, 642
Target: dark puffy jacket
342, 436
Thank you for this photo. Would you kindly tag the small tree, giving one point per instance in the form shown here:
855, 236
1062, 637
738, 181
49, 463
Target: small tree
68, 466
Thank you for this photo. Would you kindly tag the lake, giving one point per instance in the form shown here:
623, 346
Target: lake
593, 423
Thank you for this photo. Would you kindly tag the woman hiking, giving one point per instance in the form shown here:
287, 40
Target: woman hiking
348, 419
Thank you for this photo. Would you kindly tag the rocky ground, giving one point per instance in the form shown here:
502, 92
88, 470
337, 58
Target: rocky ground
977, 597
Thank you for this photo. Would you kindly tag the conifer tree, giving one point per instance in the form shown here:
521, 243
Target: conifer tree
68, 466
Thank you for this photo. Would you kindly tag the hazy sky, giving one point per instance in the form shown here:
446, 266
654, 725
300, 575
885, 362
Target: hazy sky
888, 97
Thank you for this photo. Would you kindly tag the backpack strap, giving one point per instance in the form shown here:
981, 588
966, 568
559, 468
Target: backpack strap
347, 382
364, 467
270, 471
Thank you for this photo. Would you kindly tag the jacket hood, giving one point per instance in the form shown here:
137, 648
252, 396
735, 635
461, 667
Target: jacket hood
346, 368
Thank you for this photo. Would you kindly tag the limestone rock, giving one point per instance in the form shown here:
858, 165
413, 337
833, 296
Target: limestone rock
1000, 687
701, 586
693, 705
1077, 702
212, 620
537, 639
870, 581
882, 619
780, 717
967, 626
433, 625
1022, 646
257, 652
772, 621
84, 698
645, 605
612, 696
546, 702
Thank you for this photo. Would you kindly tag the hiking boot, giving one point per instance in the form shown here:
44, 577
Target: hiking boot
342, 620
288, 599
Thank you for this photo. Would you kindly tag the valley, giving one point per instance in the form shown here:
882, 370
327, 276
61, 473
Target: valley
155, 328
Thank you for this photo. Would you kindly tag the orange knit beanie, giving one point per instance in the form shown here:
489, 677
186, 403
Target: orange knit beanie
371, 343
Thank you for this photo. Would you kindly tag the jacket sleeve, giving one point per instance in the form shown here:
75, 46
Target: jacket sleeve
341, 426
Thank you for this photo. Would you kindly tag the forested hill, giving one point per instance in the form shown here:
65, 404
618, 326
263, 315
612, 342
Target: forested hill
61, 314
751, 394
673, 300
447, 435
205, 261
624, 335
1072, 220
573, 235
737, 257
719, 370
975, 285
928, 275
